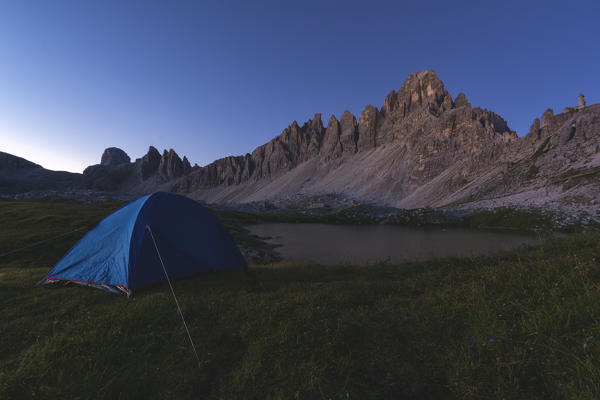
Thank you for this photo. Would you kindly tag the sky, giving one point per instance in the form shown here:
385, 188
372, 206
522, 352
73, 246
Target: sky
212, 79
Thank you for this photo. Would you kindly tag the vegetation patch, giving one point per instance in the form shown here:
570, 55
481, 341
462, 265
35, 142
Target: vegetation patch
508, 217
525, 219
519, 324
574, 177
532, 172
544, 148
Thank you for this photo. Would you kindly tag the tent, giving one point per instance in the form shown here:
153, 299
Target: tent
128, 249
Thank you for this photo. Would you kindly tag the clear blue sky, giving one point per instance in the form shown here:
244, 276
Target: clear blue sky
211, 79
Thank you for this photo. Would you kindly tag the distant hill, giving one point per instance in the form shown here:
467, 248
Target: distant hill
18, 175
115, 174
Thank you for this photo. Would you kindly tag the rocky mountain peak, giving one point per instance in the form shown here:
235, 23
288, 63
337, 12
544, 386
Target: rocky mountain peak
535, 129
348, 132
152, 152
187, 167
170, 166
315, 124
431, 86
461, 101
331, 146
149, 163
417, 81
389, 104
367, 124
420, 90
114, 156
547, 117
315, 131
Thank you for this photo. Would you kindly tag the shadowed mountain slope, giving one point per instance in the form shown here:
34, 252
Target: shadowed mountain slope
17, 175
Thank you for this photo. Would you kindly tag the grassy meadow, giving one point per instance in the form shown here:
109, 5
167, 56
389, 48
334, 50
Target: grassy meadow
519, 324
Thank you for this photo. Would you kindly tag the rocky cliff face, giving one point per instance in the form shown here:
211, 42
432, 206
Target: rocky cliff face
421, 148
557, 162
149, 164
114, 156
171, 167
429, 129
149, 173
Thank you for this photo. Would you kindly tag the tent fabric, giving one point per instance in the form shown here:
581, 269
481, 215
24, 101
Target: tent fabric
119, 251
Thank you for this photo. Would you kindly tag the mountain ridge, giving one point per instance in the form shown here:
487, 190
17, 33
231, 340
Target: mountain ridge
19, 175
420, 148
296, 144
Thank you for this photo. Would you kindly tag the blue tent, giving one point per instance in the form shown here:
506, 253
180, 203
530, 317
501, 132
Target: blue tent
120, 253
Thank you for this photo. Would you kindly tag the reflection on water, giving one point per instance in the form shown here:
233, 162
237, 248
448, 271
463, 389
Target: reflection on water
334, 244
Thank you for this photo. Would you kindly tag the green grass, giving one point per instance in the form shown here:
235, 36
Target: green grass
509, 218
416, 330
498, 218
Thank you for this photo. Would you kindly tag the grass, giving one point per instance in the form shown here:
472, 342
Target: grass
520, 324
509, 218
27, 222
498, 218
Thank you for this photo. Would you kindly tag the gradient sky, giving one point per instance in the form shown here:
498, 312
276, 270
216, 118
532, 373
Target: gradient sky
211, 79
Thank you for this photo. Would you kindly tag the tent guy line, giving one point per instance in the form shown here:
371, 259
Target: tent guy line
174, 297
42, 241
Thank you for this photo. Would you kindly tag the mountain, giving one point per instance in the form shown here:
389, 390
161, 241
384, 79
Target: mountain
115, 175
150, 173
17, 175
421, 148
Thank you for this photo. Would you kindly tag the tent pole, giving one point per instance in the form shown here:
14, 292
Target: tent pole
173, 293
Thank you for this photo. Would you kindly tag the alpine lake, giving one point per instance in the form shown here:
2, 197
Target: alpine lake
330, 244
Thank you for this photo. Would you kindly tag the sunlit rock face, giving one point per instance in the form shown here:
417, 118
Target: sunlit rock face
420, 148
420, 118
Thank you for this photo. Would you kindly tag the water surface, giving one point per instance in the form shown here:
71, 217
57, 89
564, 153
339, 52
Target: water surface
360, 244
